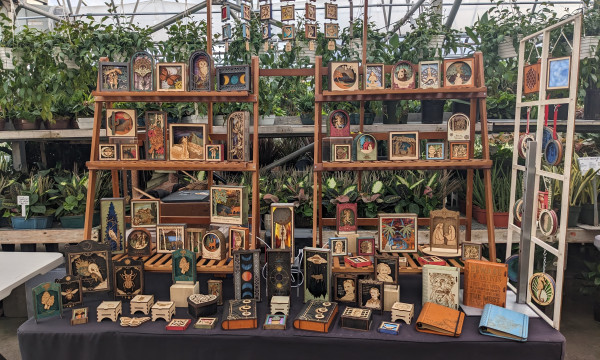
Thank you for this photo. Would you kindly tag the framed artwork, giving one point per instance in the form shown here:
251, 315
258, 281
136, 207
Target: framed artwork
346, 217
288, 12
266, 12
142, 71
114, 76
112, 224
129, 152
145, 213
229, 205
128, 278
246, 274
121, 123
343, 76
247, 12
331, 11
282, 227
459, 150
47, 301
458, 73
183, 266
344, 288
107, 152
169, 237
444, 226
71, 290
139, 243
332, 31
279, 270
233, 78
238, 136
470, 251
265, 30
170, 77
435, 151
317, 274
156, 135
338, 246
226, 32
403, 75
92, 262
239, 239
542, 288
342, 152
429, 74
559, 73
365, 147
386, 269
200, 71
339, 123
403, 145
370, 294
288, 32
459, 127
366, 246
398, 233
186, 141
310, 31
531, 78
374, 77
79, 316
214, 152
225, 13
214, 245
310, 12
215, 287
193, 239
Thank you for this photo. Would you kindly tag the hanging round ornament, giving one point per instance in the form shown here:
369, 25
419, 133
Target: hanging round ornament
553, 150
512, 263
524, 139
542, 288
548, 222
518, 210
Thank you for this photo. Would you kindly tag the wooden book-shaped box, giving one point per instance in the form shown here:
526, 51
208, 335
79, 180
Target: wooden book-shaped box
485, 283
316, 316
239, 314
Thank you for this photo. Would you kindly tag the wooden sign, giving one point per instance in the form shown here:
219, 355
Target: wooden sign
47, 301
70, 290
246, 274
317, 274
485, 283
92, 262
128, 278
184, 266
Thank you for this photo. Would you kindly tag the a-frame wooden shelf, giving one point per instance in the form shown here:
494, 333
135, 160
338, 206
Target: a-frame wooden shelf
405, 164
172, 165
175, 96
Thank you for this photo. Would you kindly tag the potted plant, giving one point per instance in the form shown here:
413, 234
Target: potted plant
500, 196
306, 106
578, 187
591, 285
72, 189
269, 94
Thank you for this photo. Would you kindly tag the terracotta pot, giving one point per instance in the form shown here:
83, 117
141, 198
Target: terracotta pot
500, 219
22, 124
60, 123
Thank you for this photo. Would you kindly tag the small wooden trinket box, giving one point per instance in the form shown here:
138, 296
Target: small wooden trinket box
141, 303
110, 310
280, 305
79, 316
202, 305
163, 310
356, 319
403, 311
389, 328
357, 261
178, 324
275, 322
206, 323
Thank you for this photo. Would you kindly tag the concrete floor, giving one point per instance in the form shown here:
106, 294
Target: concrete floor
578, 326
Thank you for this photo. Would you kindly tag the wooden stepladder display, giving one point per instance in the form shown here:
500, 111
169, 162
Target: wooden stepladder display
542, 229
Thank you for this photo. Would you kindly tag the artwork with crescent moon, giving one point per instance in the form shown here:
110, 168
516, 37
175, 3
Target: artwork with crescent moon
92, 262
246, 274
233, 78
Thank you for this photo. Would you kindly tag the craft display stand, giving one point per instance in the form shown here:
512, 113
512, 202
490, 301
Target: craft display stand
529, 239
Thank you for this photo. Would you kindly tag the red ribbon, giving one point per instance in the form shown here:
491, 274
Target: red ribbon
555, 117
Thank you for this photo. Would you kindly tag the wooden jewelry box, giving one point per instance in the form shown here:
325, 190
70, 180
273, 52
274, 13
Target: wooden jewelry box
240, 314
356, 319
403, 311
110, 310
200, 305
316, 316
163, 310
141, 303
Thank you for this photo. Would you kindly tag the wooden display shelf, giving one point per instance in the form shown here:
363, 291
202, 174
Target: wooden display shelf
402, 94
162, 263
171, 165
375, 221
405, 164
174, 96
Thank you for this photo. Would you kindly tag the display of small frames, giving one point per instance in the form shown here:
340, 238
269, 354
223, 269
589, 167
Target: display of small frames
403, 145
331, 11
200, 68
459, 127
183, 268
238, 136
531, 78
107, 152
129, 152
338, 246
435, 151
239, 239
282, 226
47, 301
193, 239
346, 217
139, 243
233, 78
343, 76
247, 12
365, 148
112, 223
288, 32
214, 245
142, 71
444, 226
170, 77
403, 75
145, 213
70, 290
548, 222
186, 141
246, 274
288, 12
214, 152
332, 31
374, 77
344, 288
121, 123
339, 123
128, 278
114, 76
266, 12
310, 12
542, 288
559, 73
470, 251
366, 246
429, 74
458, 73
459, 150
310, 31
156, 135
169, 237
342, 153
229, 205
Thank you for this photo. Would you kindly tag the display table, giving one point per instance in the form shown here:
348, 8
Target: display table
107, 340
18, 267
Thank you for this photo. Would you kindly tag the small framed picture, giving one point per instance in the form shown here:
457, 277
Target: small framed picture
429, 74
310, 31
229, 205
121, 123
156, 135
200, 72
459, 150
370, 294
288, 32
170, 77
398, 233
531, 78
343, 76
71, 290
559, 73
331, 11
366, 246
107, 152
344, 288
266, 12
79, 316
238, 239
139, 243
339, 123
247, 12
142, 71
214, 152
444, 228
342, 152
186, 141
288, 13
338, 246
193, 239
403, 145
347, 215
403, 75
332, 31
458, 72
459, 127
112, 224
471, 251
226, 31
225, 13
310, 12
114, 76
169, 237
374, 77
386, 269
145, 213
435, 151
129, 152
266, 30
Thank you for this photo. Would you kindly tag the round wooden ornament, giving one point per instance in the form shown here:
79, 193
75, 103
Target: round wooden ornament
553, 152
523, 144
542, 288
513, 267
518, 210
547, 136
548, 222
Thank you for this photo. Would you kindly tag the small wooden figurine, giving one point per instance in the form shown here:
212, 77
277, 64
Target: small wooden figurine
163, 310
109, 310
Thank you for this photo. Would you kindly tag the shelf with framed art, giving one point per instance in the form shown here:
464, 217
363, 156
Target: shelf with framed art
476, 94
119, 166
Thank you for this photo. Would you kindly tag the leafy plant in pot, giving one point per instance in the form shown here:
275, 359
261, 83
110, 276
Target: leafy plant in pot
578, 187
306, 106
72, 199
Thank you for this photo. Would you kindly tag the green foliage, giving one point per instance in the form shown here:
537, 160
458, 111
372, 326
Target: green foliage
591, 279
39, 187
72, 189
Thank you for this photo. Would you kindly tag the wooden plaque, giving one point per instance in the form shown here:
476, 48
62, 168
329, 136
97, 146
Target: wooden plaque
183, 266
339, 124
128, 278
214, 245
346, 215
317, 274
92, 262
459, 73
444, 230
145, 213
233, 78
47, 301
139, 243
386, 269
430, 74
229, 205
246, 274
239, 239
403, 145
531, 78
398, 233
238, 136
71, 291
459, 150
403, 75
459, 127
169, 237
343, 76
485, 283
345, 288
370, 294
142, 71
186, 141
156, 135
114, 76
282, 227
279, 272
171, 77
121, 123
200, 68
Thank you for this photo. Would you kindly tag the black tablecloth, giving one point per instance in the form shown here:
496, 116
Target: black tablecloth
57, 339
